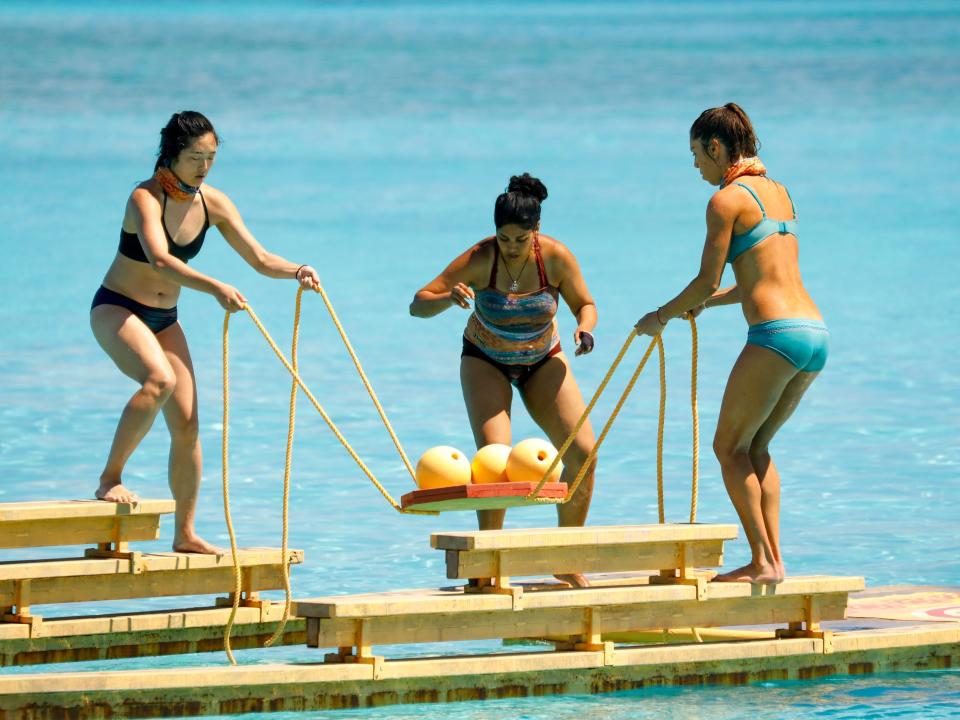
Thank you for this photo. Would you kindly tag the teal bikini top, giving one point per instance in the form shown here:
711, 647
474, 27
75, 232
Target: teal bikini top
739, 244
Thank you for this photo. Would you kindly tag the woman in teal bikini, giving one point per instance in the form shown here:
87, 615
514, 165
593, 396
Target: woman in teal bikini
514, 280
752, 225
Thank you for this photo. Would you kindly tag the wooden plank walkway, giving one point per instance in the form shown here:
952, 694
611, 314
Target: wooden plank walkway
303, 687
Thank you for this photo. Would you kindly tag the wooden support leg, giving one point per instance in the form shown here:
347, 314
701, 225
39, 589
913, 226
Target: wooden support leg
810, 627
683, 574
117, 548
591, 640
20, 612
360, 652
501, 583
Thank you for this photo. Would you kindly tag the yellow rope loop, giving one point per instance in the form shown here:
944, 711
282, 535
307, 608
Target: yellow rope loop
591, 456
366, 383
696, 419
287, 463
333, 428
583, 418
226, 490
662, 416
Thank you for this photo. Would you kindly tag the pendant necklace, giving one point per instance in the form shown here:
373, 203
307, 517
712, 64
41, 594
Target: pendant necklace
515, 281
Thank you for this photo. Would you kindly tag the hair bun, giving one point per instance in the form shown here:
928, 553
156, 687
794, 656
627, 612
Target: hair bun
528, 185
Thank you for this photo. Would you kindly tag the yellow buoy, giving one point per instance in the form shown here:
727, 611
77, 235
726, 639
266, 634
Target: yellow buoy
529, 460
490, 464
442, 466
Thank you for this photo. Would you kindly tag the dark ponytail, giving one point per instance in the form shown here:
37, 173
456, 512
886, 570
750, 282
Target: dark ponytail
520, 204
731, 126
182, 129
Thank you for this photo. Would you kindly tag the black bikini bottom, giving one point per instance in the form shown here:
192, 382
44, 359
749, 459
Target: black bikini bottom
155, 318
517, 375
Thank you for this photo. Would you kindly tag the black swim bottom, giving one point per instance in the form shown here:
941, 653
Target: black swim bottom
155, 318
516, 375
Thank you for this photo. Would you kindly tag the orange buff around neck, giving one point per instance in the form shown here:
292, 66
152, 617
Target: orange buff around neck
745, 166
173, 186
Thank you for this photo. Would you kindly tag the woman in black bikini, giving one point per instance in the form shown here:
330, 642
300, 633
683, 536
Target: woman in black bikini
134, 313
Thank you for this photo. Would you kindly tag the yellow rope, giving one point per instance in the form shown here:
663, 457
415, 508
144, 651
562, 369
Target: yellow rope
656, 341
287, 462
226, 490
583, 418
696, 420
661, 513
366, 383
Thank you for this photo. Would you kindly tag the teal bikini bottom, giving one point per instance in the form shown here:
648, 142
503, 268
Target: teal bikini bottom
802, 342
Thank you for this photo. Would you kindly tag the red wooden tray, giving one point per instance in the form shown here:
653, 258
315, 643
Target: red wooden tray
483, 496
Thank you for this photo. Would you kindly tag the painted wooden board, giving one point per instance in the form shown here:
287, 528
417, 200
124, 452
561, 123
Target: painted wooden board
161, 575
190, 630
63, 509
580, 536
223, 690
583, 558
909, 603
453, 600
482, 496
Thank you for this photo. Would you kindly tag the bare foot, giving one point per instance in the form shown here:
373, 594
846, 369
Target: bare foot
781, 571
115, 492
196, 544
574, 580
758, 574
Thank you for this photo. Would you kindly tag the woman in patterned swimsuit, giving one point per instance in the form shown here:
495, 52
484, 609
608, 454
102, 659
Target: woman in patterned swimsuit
514, 280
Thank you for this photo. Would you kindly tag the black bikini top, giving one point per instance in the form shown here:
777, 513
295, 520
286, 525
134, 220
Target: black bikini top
130, 244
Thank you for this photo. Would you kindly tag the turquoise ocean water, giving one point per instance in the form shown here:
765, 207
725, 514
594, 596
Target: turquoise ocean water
371, 139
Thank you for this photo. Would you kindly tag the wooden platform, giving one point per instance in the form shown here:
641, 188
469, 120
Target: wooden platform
482, 496
80, 522
304, 687
581, 614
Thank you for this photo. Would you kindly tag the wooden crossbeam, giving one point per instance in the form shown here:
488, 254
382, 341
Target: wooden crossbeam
80, 522
420, 616
161, 575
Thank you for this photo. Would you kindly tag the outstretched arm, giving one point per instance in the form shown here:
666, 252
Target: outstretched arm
227, 218
721, 214
449, 288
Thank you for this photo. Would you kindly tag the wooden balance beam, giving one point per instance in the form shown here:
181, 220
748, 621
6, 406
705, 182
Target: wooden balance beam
355, 623
72, 580
80, 522
115, 636
674, 550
